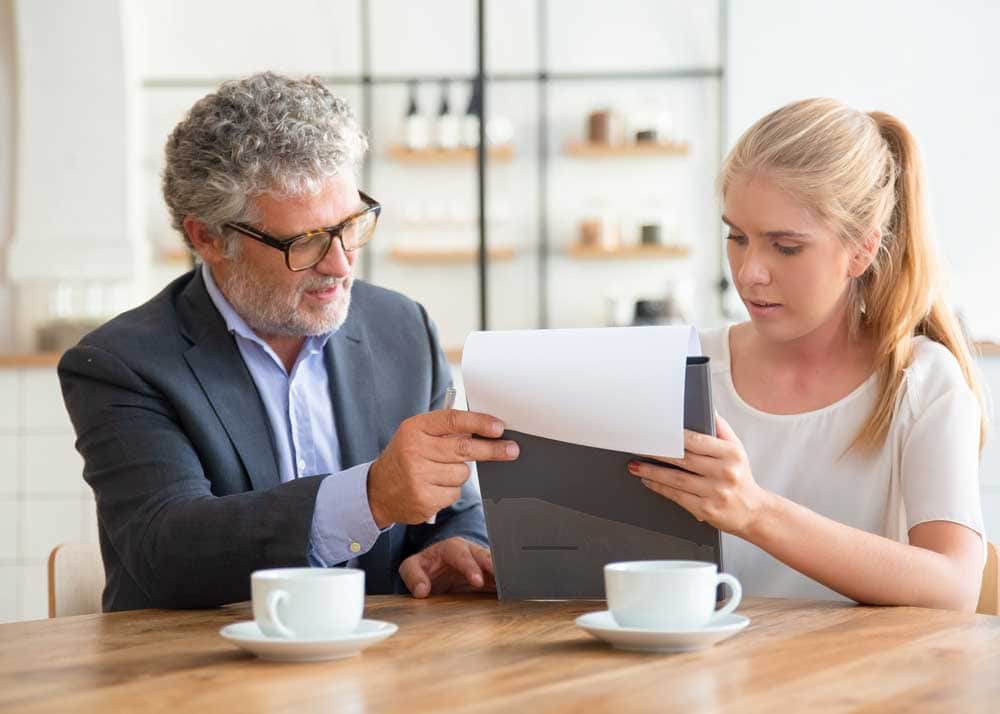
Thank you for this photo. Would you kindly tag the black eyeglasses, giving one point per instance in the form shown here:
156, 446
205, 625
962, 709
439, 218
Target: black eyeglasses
307, 249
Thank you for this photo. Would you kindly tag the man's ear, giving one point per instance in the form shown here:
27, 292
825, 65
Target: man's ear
206, 244
864, 254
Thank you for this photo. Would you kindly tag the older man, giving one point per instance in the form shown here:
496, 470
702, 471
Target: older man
266, 409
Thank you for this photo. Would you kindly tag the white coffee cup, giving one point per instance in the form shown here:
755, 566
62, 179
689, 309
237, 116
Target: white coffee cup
308, 603
667, 594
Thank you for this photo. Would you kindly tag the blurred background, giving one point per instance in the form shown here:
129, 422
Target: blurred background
605, 125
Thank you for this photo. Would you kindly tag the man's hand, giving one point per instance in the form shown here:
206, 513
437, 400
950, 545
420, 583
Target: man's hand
450, 566
423, 468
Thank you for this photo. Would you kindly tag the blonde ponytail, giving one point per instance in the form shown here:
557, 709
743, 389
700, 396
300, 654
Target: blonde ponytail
901, 296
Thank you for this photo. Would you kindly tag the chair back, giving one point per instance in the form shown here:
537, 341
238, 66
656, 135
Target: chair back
76, 579
989, 592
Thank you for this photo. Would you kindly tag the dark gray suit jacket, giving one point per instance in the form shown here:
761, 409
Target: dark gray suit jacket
178, 449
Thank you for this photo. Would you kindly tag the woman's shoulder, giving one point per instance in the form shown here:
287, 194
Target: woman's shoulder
933, 373
715, 346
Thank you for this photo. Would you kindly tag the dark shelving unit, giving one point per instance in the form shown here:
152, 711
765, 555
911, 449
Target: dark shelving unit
544, 78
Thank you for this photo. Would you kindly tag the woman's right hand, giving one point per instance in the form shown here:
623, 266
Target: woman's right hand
720, 488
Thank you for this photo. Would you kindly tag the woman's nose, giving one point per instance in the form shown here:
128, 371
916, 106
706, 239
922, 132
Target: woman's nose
754, 269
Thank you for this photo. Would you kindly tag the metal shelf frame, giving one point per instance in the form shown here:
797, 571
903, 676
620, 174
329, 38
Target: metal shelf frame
367, 80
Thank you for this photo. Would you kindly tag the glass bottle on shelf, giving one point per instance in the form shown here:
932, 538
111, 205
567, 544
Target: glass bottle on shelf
415, 129
499, 130
447, 123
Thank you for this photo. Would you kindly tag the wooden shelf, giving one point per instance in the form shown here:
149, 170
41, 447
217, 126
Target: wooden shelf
628, 251
988, 349
588, 150
406, 155
430, 256
179, 255
30, 359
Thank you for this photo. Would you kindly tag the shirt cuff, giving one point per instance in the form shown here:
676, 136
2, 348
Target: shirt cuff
343, 527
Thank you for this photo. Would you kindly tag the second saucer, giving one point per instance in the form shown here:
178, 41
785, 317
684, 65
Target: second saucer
603, 626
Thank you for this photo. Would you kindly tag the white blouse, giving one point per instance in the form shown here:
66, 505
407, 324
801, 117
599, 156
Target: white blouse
926, 470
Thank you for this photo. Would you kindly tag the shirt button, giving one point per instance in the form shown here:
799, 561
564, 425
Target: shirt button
355, 547
302, 464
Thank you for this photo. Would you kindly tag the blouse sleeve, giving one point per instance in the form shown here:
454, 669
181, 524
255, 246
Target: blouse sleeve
940, 462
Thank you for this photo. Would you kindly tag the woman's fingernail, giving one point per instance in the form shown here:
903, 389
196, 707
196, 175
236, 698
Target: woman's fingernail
513, 450
633, 467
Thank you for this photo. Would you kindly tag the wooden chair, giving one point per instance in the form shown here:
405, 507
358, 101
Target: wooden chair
76, 579
989, 593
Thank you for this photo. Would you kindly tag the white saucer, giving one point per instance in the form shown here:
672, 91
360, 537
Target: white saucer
249, 637
602, 626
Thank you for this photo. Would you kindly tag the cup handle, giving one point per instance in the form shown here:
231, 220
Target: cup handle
734, 600
274, 598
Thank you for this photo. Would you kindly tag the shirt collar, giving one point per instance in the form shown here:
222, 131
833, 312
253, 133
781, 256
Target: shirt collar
238, 326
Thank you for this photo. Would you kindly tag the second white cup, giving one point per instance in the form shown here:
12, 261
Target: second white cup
308, 603
667, 594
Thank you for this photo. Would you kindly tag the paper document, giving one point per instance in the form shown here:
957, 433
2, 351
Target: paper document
618, 388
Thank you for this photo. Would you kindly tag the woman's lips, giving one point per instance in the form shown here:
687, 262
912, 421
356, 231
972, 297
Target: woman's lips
761, 308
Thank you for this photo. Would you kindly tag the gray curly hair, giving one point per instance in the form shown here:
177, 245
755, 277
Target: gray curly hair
265, 134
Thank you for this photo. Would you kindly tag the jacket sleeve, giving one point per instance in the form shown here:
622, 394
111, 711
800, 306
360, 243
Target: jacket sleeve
182, 545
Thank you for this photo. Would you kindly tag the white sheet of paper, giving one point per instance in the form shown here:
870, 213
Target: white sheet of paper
619, 388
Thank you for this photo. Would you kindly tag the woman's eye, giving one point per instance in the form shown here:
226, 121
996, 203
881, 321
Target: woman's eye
738, 239
787, 249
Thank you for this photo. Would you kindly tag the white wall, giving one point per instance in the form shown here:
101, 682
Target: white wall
77, 171
932, 64
8, 109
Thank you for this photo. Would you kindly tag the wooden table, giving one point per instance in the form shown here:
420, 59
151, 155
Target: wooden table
472, 653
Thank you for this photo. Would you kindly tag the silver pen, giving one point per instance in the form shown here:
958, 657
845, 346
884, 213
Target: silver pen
449, 403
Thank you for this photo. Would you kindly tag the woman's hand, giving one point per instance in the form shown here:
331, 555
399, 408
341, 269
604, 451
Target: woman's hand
720, 488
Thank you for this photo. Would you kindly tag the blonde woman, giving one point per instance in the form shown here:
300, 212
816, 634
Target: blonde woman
846, 464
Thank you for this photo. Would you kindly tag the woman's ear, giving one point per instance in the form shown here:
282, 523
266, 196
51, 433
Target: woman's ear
864, 254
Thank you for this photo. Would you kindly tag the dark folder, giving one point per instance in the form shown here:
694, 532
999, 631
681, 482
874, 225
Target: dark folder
561, 511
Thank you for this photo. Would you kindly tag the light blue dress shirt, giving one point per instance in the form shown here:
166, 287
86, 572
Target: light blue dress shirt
300, 412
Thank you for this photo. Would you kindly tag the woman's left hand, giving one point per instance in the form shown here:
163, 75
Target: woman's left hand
720, 488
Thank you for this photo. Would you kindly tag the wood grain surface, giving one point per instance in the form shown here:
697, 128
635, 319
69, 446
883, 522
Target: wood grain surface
473, 653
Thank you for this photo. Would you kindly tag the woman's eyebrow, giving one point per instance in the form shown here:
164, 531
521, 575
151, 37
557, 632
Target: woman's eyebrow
787, 234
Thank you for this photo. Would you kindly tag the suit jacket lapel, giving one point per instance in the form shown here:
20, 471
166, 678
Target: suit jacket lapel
355, 408
216, 362
352, 389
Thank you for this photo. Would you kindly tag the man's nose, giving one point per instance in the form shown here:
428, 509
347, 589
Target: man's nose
337, 261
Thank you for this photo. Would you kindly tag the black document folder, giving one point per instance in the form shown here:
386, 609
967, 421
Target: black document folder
558, 513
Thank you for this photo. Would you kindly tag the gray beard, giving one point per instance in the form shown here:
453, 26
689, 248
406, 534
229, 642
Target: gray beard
272, 310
